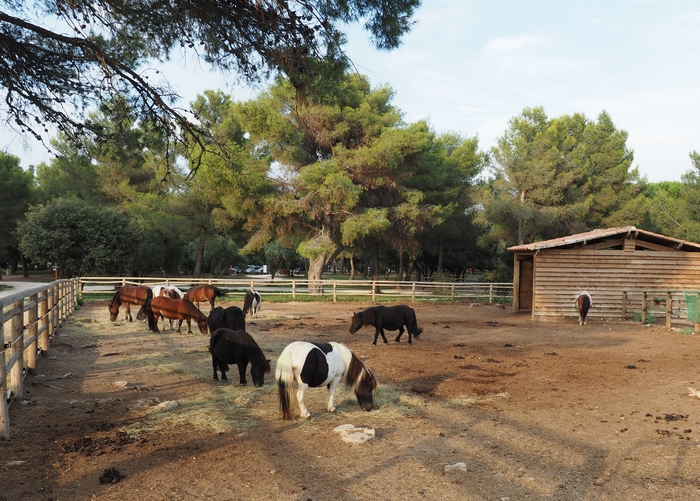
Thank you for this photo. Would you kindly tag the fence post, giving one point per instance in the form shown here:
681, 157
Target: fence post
452, 294
44, 322
51, 309
17, 345
490, 293
294, 290
335, 298
374, 290
31, 332
669, 309
413, 292
4, 408
645, 308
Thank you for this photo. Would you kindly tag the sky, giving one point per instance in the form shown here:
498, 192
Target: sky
470, 66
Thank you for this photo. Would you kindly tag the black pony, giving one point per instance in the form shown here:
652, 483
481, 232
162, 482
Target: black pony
231, 318
237, 347
387, 317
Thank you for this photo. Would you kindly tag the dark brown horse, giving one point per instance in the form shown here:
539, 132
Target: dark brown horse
237, 347
176, 309
583, 304
128, 295
387, 317
231, 318
202, 293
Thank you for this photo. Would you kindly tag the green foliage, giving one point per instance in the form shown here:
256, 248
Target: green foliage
80, 238
16, 188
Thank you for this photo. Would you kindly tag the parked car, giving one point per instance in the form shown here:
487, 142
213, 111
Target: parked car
254, 269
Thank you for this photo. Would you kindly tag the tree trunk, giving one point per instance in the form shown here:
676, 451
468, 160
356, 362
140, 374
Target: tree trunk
200, 253
441, 249
409, 271
352, 266
375, 263
399, 270
315, 274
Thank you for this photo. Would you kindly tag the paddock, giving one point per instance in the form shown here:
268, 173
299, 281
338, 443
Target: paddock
486, 405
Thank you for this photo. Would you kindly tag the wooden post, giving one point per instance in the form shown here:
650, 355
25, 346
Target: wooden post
51, 310
413, 292
490, 293
4, 408
17, 345
624, 306
452, 295
669, 309
294, 290
374, 290
335, 298
645, 308
31, 332
44, 322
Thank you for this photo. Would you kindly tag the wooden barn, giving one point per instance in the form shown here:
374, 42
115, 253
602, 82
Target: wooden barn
614, 265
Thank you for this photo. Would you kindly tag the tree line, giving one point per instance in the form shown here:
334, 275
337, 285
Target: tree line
336, 178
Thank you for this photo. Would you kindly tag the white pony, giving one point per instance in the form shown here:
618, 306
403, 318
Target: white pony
314, 365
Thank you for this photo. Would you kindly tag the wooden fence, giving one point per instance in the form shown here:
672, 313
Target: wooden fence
330, 290
33, 315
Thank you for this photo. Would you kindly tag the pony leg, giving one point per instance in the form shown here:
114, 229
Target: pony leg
189, 326
303, 411
401, 334
215, 365
127, 313
381, 331
331, 394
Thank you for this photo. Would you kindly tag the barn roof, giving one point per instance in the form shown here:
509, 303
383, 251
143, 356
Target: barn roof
598, 236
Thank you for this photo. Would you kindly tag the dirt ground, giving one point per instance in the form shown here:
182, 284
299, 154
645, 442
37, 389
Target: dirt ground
537, 411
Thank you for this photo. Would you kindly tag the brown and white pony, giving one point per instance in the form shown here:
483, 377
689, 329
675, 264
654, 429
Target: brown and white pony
584, 301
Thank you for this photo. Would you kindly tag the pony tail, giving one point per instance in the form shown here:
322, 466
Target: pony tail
285, 384
247, 302
146, 310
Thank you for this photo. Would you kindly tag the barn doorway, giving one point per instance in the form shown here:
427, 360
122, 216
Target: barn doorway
526, 280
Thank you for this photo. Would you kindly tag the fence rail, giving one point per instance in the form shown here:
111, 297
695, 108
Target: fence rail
376, 290
28, 320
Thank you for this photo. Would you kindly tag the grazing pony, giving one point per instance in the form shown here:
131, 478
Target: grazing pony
237, 347
583, 302
251, 303
175, 309
387, 317
168, 291
314, 365
231, 318
202, 293
128, 295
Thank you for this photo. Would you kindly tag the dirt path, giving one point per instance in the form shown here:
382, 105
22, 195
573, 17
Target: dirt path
543, 411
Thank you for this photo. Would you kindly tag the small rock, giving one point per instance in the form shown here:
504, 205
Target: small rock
457, 466
353, 435
167, 406
121, 384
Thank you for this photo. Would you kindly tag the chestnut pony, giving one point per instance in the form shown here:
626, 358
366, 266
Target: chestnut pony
175, 309
202, 293
128, 295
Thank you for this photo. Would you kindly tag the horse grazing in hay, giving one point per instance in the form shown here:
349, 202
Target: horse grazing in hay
231, 318
314, 365
237, 347
251, 303
128, 295
175, 309
584, 301
202, 293
387, 317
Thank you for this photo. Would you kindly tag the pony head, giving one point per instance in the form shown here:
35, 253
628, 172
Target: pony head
363, 382
258, 371
203, 325
356, 322
114, 308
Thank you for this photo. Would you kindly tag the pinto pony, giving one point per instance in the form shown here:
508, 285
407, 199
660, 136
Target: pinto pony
251, 303
168, 291
387, 317
231, 318
584, 301
313, 365
202, 293
237, 347
175, 309
128, 295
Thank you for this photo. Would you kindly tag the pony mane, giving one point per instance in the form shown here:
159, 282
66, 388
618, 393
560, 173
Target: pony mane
194, 312
358, 375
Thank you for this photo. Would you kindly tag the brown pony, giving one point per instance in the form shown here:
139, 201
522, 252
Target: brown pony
176, 309
583, 304
203, 293
128, 295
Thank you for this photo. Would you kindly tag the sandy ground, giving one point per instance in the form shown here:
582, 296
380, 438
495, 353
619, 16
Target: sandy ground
487, 405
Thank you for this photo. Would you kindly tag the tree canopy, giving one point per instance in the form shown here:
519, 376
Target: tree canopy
59, 59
